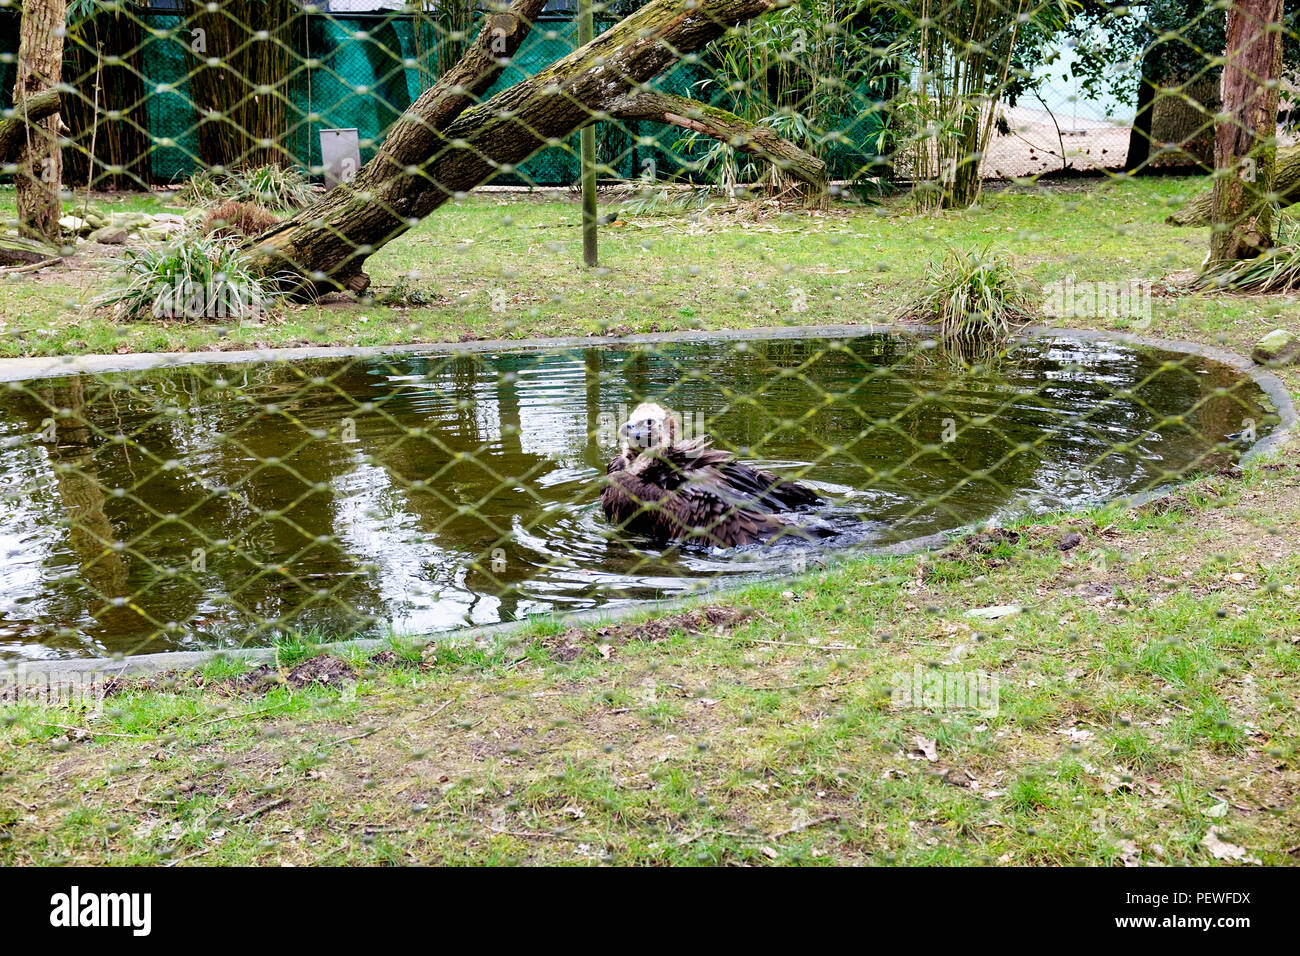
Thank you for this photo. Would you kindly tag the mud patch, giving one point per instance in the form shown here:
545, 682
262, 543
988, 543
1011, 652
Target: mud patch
323, 671
576, 642
981, 544
979, 548
1175, 503
388, 659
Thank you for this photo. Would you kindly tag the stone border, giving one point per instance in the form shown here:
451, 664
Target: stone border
21, 369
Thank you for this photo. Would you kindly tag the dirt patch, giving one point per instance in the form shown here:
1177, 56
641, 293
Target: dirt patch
980, 544
571, 644
1174, 503
325, 671
1069, 541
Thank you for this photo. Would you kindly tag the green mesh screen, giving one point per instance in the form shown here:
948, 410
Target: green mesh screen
362, 72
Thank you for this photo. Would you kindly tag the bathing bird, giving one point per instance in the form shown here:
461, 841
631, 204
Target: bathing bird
689, 491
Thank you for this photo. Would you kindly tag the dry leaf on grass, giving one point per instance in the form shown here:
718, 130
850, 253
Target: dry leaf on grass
1221, 849
925, 747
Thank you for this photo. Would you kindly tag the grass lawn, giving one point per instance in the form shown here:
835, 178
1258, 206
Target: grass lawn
1147, 688
505, 266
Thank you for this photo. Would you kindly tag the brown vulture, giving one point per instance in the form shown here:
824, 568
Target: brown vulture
689, 491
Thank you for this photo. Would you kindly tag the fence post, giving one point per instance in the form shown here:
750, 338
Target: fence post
586, 31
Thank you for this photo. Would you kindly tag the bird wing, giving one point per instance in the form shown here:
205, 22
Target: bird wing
697, 460
670, 502
692, 491
712, 514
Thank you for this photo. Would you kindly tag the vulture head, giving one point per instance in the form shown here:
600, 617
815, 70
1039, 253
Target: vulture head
649, 426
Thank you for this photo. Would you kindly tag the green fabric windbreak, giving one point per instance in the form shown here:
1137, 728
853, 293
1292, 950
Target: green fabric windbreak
172, 117
357, 73
363, 72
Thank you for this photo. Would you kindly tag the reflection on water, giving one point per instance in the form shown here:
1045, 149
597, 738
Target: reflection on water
219, 505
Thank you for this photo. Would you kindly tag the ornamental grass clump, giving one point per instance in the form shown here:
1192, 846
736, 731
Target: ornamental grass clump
974, 299
192, 278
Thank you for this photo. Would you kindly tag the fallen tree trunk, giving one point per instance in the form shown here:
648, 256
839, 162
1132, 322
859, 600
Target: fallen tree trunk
17, 251
13, 131
1197, 210
442, 147
740, 134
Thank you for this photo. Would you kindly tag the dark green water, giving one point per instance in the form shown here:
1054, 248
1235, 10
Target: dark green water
210, 506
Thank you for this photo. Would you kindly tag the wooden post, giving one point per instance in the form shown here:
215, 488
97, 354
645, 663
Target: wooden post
1245, 142
586, 30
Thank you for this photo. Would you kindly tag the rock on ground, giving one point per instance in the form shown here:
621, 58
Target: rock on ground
1279, 347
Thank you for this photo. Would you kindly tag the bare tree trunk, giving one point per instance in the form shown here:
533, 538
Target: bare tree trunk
443, 146
39, 176
1182, 122
1139, 137
1245, 144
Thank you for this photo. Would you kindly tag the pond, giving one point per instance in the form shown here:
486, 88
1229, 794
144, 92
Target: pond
202, 506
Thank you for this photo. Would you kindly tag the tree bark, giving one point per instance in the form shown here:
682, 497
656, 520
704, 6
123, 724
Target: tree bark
1198, 210
442, 147
738, 133
1139, 137
14, 132
39, 175
1245, 143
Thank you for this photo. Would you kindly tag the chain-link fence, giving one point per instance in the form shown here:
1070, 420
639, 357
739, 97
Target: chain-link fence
300, 348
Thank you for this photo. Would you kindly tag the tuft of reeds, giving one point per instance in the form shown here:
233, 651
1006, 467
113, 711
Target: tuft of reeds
974, 298
1275, 271
193, 278
274, 187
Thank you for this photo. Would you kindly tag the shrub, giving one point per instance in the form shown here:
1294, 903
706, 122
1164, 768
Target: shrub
234, 219
1275, 271
275, 187
192, 278
204, 187
974, 298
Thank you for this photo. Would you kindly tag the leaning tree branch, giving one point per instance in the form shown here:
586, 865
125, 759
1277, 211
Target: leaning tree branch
414, 137
738, 133
308, 252
1198, 210
425, 161
32, 109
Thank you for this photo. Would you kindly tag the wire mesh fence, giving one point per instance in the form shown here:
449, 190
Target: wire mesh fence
300, 348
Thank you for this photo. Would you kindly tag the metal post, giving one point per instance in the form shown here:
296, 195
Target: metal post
586, 30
